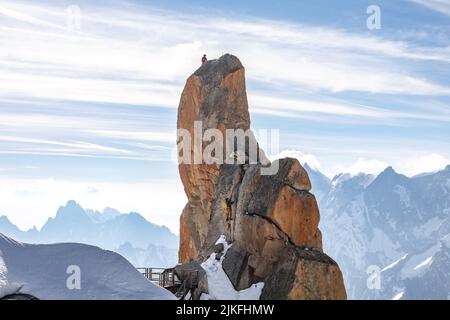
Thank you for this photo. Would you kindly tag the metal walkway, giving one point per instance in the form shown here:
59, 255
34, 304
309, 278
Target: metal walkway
180, 283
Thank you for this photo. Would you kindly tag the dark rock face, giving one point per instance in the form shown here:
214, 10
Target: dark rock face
195, 276
308, 274
274, 227
300, 273
218, 248
184, 269
235, 265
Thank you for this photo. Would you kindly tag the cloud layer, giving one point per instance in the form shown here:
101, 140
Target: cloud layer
106, 94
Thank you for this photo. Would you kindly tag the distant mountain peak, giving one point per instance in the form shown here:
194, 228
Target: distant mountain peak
71, 210
111, 211
72, 203
388, 179
108, 229
389, 170
7, 227
71, 206
5, 220
106, 215
137, 217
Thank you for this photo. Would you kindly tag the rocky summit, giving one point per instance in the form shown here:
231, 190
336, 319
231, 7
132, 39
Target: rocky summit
273, 230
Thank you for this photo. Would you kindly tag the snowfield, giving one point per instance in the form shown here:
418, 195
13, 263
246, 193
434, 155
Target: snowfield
6, 288
42, 271
220, 286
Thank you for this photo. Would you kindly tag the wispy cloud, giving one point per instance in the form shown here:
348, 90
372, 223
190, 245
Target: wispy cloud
77, 145
109, 91
367, 166
409, 166
27, 18
311, 106
423, 163
130, 149
149, 48
303, 158
152, 52
442, 6
161, 136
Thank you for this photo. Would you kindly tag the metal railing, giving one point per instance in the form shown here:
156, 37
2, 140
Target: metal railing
168, 278
153, 274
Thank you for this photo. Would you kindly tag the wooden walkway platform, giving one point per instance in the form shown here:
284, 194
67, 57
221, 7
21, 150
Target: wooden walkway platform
179, 283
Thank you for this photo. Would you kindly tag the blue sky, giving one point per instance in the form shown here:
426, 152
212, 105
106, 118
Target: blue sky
89, 114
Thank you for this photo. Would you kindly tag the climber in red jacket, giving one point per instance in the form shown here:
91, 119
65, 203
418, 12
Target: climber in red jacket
204, 59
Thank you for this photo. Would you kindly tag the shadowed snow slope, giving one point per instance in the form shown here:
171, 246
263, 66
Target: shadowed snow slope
41, 270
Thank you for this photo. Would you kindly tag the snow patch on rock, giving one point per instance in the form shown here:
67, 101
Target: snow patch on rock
417, 264
393, 264
219, 285
399, 295
424, 263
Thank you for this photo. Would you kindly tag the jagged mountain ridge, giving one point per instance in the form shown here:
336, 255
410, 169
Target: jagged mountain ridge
131, 234
384, 219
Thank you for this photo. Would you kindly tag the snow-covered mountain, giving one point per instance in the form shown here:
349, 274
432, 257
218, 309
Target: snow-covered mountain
391, 223
71, 271
140, 241
321, 182
151, 256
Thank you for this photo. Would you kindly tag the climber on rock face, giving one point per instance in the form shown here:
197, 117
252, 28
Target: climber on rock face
204, 59
227, 205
